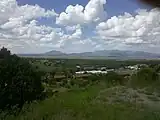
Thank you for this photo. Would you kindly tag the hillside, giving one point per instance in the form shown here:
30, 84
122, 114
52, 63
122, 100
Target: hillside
105, 54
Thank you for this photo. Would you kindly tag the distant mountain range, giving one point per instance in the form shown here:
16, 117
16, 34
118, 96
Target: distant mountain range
103, 54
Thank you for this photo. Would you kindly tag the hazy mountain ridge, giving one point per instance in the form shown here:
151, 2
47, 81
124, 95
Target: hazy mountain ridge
103, 53
54, 52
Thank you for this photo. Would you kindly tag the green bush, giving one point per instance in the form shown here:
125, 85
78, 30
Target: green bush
19, 82
112, 78
93, 78
144, 77
157, 68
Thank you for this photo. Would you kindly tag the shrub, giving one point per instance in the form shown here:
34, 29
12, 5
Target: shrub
93, 78
157, 68
144, 77
113, 78
19, 82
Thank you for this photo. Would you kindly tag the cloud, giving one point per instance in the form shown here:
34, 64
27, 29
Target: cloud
10, 11
19, 28
143, 28
72, 28
92, 12
77, 29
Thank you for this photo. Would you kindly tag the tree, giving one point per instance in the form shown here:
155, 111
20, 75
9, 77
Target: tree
53, 73
66, 73
114, 78
50, 77
71, 73
19, 82
157, 68
147, 74
4, 53
144, 77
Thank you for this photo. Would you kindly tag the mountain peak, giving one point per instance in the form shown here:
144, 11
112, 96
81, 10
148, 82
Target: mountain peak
54, 52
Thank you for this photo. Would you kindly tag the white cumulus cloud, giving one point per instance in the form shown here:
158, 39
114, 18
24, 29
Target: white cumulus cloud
18, 25
143, 28
92, 12
77, 29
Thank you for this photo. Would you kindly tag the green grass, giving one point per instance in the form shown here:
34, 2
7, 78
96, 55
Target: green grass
153, 98
82, 105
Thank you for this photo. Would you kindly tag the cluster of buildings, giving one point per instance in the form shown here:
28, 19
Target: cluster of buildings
136, 67
105, 70
92, 70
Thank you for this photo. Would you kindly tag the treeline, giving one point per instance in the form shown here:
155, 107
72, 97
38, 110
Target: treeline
71, 63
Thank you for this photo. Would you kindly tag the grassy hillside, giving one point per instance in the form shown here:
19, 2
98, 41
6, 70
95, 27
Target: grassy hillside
92, 103
113, 96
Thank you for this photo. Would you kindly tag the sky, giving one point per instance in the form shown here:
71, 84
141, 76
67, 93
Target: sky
38, 26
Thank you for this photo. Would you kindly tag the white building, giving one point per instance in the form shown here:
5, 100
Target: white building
92, 72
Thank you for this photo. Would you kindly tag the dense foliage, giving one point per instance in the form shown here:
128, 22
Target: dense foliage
114, 79
144, 77
19, 82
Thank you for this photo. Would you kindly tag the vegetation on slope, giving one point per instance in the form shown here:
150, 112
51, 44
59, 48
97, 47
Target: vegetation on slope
19, 82
109, 96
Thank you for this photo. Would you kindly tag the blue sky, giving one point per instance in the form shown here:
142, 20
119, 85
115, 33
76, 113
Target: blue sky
113, 7
37, 26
